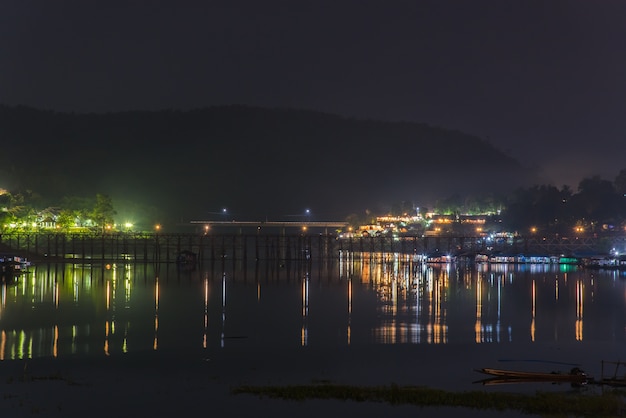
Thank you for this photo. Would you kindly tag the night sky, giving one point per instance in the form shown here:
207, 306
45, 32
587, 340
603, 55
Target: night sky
544, 80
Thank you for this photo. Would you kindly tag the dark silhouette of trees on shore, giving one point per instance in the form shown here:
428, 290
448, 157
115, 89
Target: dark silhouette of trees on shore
598, 205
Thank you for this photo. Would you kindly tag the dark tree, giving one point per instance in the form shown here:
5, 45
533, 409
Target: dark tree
103, 212
620, 182
596, 201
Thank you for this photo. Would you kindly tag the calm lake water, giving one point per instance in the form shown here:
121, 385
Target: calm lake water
514, 316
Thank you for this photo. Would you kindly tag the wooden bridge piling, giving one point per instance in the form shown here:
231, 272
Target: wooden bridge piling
162, 247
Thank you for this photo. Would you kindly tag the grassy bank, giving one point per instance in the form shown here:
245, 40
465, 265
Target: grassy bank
607, 404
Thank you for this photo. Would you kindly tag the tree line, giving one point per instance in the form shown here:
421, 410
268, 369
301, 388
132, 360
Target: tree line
598, 205
19, 210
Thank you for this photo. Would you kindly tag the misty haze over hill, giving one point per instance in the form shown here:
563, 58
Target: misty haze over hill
259, 163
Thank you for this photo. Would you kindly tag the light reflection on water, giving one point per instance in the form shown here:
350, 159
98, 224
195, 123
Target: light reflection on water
361, 299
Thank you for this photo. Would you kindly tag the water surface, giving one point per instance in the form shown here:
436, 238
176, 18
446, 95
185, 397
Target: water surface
457, 316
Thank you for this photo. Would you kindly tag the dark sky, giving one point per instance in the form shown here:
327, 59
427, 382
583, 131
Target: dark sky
543, 80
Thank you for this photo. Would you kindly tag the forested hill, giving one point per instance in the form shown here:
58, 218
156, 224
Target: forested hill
257, 162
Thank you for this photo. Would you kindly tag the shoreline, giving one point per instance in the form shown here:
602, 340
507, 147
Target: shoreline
167, 383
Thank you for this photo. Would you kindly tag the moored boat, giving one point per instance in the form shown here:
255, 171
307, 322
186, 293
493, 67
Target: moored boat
12, 267
575, 375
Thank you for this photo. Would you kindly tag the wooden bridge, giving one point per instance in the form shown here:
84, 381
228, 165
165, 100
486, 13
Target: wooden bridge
303, 245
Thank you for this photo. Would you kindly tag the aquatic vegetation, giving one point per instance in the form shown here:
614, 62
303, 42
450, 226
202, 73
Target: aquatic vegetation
606, 404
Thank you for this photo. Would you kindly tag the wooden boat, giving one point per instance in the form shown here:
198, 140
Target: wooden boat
575, 375
618, 378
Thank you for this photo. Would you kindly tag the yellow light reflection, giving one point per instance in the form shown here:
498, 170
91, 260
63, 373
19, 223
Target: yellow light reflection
13, 346
74, 334
479, 304
106, 338
155, 343
206, 312
108, 296
349, 310
20, 345
55, 343
534, 301
556, 289
56, 294
125, 343
3, 343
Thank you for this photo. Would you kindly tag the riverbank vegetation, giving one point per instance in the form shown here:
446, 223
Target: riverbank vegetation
605, 404
598, 206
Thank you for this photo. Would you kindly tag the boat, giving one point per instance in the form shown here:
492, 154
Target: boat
186, 257
11, 267
186, 260
10, 263
574, 376
618, 378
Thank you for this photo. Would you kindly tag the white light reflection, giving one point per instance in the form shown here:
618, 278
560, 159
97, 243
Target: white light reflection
155, 343
304, 333
33, 292
75, 286
206, 311
3, 298
223, 307
127, 285
500, 283
440, 329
